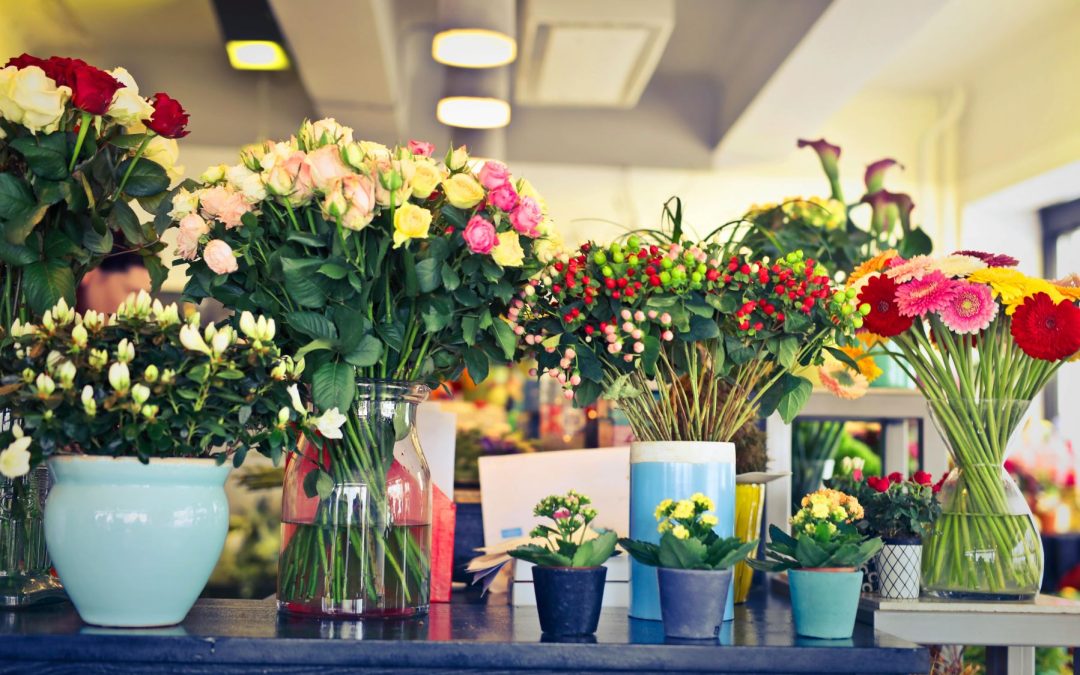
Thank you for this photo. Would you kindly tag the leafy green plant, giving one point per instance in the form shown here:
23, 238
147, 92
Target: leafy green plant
688, 540
566, 544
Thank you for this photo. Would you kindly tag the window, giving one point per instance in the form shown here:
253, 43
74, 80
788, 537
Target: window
1061, 256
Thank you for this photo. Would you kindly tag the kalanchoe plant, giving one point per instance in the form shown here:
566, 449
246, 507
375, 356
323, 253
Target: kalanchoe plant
899, 508
823, 535
146, 383
688, 540
78, 147
567, 543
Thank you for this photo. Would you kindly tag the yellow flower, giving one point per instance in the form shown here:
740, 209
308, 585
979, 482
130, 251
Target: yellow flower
709, 520
463, 191
1013, 287
701, 500
661, 509
875, 264
684, 509
819, 511
680, 532
864, 361
410, 222
426, 178
508, 252
663, 527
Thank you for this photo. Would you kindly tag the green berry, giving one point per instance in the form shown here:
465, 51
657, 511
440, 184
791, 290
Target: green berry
864, 309
697, 277
678, 273
851, 293
847, 309
617, 257
634, 242
666, 263
632, 260
599, 258
665, 277
791, 257
607, 271
857, 322
702, 269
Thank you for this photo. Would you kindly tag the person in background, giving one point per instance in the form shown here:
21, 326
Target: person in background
105, 287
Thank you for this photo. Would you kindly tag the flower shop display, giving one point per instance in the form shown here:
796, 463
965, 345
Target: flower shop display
692, 342
694, 566
568, 572
78, 147
821, 557
136, 415
981, 339
389, 271
813, 446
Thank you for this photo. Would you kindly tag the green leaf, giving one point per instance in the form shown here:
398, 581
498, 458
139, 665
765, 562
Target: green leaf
469, 325
916, 242
450, 278
333, 270
147, 178
319, 484
842, 356
333, 386
15, 196
97, 243
787, 351
46, 282
366, 353
504, 335
539, 555
312, 324
128, 141
794, 399
428, 275
17, 256
19, 226
701, 328
684, 554
47, 156
313, 346
644, 552
199, 373
305, 238
123, 218
476, 360
651, 354
595, 552
299, 284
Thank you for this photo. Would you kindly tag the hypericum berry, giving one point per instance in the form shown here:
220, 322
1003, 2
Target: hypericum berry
610, 283
615, 295
556, 288
654, 280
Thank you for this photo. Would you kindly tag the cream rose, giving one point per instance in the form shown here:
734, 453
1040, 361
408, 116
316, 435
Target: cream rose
219, 257
324, 132
550, 243
508, 252
458, 158
192, 227
32, 99
463, 191
326, 167
164, 152
225, 204
410, 222
246, 182
127, 107
426, 177
351, 201
183, 203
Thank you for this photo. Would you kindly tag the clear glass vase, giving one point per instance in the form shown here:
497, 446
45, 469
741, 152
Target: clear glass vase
985, 545
356, 514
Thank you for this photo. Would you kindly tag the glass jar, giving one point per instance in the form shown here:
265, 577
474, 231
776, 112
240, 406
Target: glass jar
356, 513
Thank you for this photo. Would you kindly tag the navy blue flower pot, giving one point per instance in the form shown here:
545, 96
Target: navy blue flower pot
568, 599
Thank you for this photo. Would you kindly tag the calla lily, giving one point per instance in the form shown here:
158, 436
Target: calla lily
875, 174
829, 154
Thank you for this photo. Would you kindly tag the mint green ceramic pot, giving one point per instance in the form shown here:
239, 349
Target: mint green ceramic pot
133, 543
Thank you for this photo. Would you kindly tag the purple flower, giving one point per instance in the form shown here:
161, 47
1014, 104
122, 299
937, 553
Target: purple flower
875, 174
829, 154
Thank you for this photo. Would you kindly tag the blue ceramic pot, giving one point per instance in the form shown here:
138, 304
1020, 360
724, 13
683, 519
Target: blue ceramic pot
133, 543
568, 599
675, 470
692, 602
824, 602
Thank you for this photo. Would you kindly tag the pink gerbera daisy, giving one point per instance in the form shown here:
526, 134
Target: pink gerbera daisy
970, 309
929, 293
914, 268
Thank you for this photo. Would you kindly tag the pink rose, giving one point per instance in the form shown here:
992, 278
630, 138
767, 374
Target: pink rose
421, 148
480, 235
299, 170
187, 240
504, 197
219, 257
225, 204
351, 201
526, 217
326, 167
494, 175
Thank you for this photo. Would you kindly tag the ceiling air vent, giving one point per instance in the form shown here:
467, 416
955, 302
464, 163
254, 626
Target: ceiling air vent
596, 54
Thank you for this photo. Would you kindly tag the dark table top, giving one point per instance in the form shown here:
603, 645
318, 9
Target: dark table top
241, 636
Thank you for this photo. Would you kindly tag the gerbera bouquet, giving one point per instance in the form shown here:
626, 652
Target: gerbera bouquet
383, 266
78, 146
719, 337
981, 339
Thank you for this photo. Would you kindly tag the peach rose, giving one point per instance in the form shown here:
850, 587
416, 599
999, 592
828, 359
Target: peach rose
187, 240
326, 167
351, 202
219, 257
224, 204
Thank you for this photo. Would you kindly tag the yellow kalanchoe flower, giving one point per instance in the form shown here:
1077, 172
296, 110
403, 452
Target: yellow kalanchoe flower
661, 509
684, 509
680, 532
701, 500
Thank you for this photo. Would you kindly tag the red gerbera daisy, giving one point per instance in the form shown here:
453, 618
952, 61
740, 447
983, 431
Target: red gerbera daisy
884, 318
1047, 330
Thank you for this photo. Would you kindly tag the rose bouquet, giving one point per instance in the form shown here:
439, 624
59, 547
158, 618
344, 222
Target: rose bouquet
78, 146
385, 268
981, 340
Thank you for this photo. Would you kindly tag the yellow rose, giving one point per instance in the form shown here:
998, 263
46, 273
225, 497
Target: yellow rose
680, 532
30, 98
508, 251
459, 157
410, 222
426, 177
684, 509
463, 191
165, 152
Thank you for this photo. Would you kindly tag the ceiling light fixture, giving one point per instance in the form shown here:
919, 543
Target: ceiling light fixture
473, 112
256, 55
253, 39
473, 48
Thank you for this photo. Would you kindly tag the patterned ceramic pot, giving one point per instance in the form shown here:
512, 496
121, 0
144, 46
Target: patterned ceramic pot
899, 564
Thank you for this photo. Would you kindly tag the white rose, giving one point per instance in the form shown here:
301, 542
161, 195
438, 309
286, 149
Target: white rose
184, 203
127, 106
276, 153
246, 182
32, 99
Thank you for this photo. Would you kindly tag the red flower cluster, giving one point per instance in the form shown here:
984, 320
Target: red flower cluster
879, 483
923, 478
92, 89
884, 318
169, 119
1047, 330
782, 285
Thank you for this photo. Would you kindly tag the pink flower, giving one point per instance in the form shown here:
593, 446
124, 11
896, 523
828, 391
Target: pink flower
915, 268
326, 167
504, 197
224, 204
494, 175
526, 217
219, 257
351, 201
931, 293
970, 309
480, 235
561, 514
298, 169
421, 148
187, 240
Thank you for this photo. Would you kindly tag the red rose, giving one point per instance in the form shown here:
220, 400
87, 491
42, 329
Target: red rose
92, 89
941, 481
169, 118
878, 483
25, 60
1047, 330
62, 70
884, 318
896, 477
922, 478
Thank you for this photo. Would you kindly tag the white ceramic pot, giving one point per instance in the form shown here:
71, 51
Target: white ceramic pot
899, 568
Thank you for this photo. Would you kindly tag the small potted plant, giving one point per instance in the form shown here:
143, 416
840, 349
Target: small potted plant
568, 572
901, 511
822, 557
136, 414
694, 566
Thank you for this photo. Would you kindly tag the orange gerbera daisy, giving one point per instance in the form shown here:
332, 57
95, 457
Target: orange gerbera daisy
875, 264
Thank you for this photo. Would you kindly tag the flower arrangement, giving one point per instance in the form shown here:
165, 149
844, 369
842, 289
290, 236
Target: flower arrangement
78, 145
147, 384
823, 535
720, 336
902, 508
566, 544
688, 540
981, 339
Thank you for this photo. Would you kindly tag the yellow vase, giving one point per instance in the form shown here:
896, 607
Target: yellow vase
749, 505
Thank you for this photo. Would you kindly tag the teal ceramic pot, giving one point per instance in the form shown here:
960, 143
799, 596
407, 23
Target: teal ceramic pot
133, 543
824, 602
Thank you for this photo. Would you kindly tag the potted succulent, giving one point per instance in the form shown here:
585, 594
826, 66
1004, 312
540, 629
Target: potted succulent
136, 415
694, 566
822, 557
568, 572
901, 511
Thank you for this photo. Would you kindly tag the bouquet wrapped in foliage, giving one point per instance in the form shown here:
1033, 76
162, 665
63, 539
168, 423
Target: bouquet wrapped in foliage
382, 265
78, 146
688, 540
146, 384
902, 508
566, 544
720, 336
981, 339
